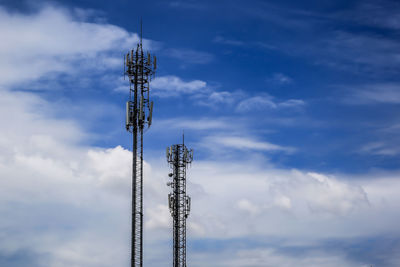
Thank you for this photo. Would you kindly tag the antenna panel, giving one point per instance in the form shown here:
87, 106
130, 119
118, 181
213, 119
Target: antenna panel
128, 115
141, 109
150, 119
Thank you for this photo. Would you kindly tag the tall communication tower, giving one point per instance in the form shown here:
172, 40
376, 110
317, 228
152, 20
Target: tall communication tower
178, 157
140, 68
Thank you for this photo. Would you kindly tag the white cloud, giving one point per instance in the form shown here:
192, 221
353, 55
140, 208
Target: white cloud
242, 143
221, 97
50, 182
53, 40
171, 86
256, 102
292, 103
190, 124
48, 172
74, 198
283, 202
159, 218
375, 94
246, 205
380, 148
267, 102
333, 196
370, 54
293, 204
198, 90
44, 170
217, 98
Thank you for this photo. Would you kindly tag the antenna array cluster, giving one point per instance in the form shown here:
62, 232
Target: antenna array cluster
140, 69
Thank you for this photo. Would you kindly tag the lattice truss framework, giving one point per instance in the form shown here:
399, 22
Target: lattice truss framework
179, 157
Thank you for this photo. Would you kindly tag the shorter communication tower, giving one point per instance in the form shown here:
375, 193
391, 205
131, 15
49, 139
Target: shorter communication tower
179, 157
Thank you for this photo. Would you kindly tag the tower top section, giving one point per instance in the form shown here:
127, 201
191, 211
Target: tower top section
138, 63
140, 67
179, 152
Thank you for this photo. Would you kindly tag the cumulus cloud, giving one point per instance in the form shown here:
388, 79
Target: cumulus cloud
44, 169
48, 172
159, 217
282, 203
53, 40
246, 205
75, 198
56, 185
332, 196
173, 86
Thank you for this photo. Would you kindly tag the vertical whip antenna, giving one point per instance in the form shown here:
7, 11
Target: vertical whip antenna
140, 69
179, 157
141, 31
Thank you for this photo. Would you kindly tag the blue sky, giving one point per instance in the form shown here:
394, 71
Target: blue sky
291, 108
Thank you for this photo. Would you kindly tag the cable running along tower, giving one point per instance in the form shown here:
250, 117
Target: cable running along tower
140, 68
178, 157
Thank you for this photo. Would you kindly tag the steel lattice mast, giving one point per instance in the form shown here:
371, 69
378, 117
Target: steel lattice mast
178, 156
140, 68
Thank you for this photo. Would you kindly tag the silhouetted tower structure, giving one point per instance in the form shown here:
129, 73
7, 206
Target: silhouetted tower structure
179, 157
140, 68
